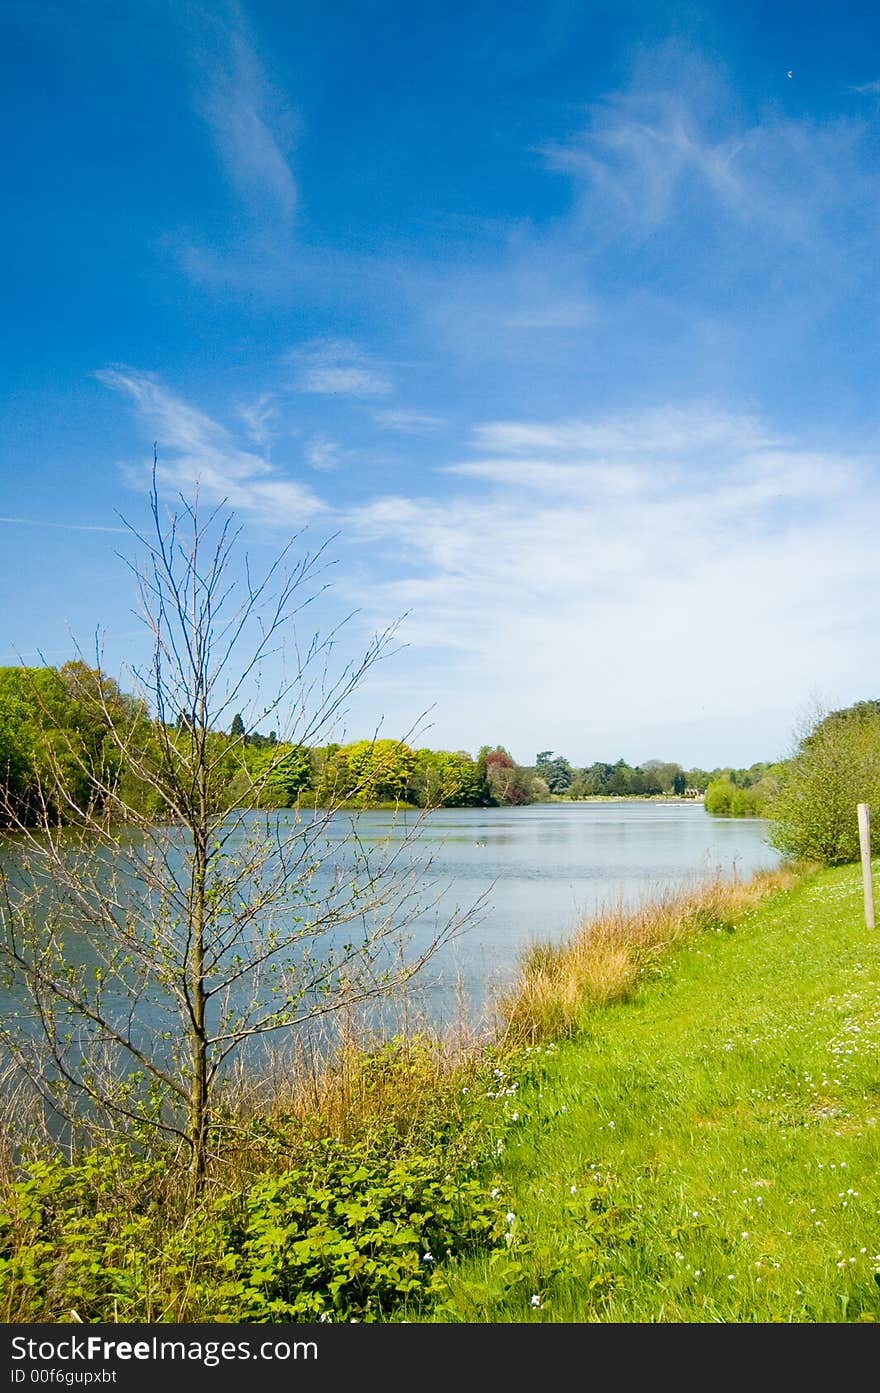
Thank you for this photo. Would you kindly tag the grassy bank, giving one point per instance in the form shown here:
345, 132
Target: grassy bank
676, 1122
708, 1149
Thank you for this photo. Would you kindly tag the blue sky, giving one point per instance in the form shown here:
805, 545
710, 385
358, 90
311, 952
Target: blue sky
560, 319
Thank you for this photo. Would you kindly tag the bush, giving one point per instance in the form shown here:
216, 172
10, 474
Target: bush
351, 1237
718, 797
837, 766
297, 1228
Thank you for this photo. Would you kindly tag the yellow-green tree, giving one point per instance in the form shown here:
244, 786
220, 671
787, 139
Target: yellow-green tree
836, 766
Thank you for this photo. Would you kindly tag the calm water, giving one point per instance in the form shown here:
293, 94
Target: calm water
541, 870
547, 866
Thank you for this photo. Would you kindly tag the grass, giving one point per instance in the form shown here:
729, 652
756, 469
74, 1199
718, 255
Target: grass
706, 1150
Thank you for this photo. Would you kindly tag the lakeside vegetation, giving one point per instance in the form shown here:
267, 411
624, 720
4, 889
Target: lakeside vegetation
63, 716
706, 1149
676, 1120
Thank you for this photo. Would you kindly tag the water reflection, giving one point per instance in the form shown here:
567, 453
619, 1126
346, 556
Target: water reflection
541, 869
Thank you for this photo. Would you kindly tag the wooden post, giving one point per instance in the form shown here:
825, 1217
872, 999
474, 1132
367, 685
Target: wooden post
865, 849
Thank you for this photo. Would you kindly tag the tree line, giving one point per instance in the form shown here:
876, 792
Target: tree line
62, 719
62, 716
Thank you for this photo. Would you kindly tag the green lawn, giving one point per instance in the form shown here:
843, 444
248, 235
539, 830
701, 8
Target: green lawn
708, 1150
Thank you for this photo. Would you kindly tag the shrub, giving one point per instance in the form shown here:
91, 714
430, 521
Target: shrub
837, 766
350, 1237
718, 797
299, 1228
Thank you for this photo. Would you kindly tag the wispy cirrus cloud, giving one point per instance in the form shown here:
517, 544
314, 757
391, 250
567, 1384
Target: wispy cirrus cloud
195, 448
691, 221
330, 380
262, 417
656, 556
409, 422
672, 145
251, 123
666, 431
337, 368
324, 453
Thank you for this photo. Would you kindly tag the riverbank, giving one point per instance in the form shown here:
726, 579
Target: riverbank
677, 798
708, 1149
669, 1081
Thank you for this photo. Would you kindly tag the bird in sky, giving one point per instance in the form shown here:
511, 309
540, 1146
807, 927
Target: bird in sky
788, 74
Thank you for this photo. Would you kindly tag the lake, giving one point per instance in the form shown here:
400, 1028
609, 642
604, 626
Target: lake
541, 869
546, 866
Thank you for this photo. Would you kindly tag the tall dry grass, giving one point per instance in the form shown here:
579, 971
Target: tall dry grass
357, 1087
601, 964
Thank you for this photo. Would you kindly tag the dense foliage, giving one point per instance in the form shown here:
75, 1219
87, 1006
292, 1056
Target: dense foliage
836, 767
736, 792
58, 714
304, 1227
64, 716
743, 792
69, 718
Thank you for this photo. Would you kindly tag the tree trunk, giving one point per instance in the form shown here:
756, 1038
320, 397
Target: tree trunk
198, 1114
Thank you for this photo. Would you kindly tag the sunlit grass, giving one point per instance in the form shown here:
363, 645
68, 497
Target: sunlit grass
707, 1149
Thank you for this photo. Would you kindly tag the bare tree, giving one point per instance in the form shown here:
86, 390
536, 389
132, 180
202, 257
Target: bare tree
200, 928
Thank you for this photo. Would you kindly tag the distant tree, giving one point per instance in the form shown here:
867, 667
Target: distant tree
700, 778
726, 798
508, 782
445, 779
236, 730
719, 796
679, 783
660, 774
282, 774
556, 771
620, 780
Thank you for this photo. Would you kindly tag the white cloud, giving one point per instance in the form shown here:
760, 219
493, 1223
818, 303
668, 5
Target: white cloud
637, 150
261, 417
323, 453
339, 368
666, 431
685, 575
251, 124
343, 382
671, 146
409, 422
717, 589
194, 448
